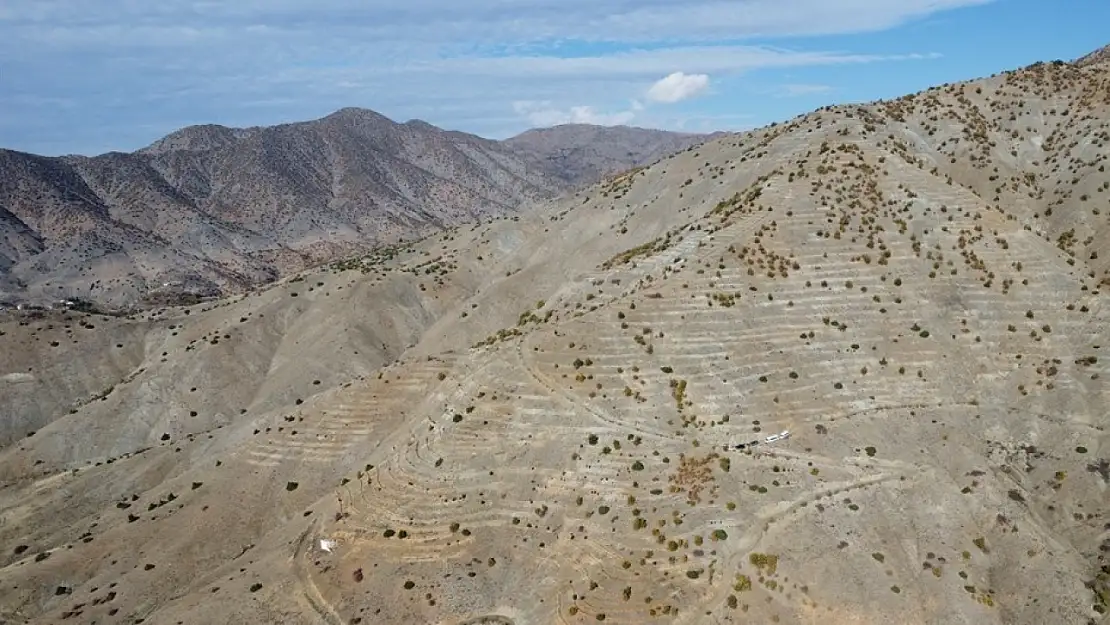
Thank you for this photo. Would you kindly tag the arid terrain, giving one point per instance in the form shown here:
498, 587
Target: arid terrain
535, 419
211, 210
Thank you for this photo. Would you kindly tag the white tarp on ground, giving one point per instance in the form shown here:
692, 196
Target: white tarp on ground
327, 545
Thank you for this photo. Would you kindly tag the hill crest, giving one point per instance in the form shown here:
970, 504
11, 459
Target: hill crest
1102, 55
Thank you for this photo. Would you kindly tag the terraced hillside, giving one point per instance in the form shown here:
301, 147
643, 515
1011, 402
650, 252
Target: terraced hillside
536, 420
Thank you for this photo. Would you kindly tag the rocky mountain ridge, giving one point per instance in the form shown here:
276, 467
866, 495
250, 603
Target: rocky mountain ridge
209, 209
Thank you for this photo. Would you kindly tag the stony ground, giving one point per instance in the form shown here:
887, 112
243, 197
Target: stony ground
527, 421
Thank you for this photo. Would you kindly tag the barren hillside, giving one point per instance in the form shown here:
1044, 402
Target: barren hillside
536, 419
211, 210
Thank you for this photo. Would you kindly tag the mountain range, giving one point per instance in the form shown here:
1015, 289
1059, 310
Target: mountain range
853, 367
211, 210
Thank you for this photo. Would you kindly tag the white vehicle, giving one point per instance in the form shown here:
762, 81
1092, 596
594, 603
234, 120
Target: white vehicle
783, 435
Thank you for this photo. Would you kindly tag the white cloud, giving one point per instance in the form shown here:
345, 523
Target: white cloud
632, 64
543, 114
677, 87
134, 65
794, 90
494, 21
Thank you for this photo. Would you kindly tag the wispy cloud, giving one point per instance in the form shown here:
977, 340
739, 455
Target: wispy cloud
125, 22
134, 65
545, 114
793, 90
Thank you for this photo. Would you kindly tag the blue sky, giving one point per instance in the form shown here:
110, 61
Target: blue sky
89, 76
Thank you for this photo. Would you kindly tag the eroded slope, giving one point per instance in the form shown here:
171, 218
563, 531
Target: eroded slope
914, 289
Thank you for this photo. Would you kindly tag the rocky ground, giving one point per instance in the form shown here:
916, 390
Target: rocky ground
534, 420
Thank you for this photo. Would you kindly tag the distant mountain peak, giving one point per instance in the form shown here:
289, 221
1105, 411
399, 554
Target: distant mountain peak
354, 114
229, 208
579, 153
193, 139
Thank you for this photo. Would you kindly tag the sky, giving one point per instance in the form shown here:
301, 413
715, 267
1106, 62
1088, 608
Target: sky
91, 76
